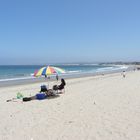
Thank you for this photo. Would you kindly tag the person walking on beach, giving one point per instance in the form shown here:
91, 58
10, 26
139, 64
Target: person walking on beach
124, 74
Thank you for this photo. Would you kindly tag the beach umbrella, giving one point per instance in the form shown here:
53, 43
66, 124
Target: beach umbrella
49, 70
59, 70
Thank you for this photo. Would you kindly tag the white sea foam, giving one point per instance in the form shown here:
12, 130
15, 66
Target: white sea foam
12, 79
70, 64
74, 71
113, 68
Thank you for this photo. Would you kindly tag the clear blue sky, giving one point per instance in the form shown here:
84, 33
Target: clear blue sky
49, 31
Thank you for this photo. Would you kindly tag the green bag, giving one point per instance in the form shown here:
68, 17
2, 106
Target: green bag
19, 95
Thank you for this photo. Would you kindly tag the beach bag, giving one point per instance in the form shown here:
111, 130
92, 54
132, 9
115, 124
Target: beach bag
40, 96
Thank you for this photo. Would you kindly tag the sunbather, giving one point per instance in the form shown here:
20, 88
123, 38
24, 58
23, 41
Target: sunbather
61, 86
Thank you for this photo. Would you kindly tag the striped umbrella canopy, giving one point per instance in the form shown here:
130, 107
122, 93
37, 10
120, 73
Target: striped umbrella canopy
59, 70
48, 71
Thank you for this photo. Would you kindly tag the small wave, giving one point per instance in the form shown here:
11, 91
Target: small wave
70, 64
111, 68
32, 74
12, 79
124, 67
105, 69
74, 71
91, 64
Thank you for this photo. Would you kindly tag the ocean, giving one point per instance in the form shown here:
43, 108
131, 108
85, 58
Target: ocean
11, 72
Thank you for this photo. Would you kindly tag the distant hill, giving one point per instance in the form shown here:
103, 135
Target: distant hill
123, 63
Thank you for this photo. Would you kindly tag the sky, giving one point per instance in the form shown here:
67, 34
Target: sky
69, 31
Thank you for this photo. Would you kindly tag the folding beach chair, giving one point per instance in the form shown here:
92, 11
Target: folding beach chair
60, 87
43, 88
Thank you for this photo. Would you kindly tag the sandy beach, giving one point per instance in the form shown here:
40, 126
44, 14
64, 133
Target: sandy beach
92, 108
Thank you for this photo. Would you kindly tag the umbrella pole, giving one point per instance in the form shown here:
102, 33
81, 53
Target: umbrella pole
48, 81
46, 77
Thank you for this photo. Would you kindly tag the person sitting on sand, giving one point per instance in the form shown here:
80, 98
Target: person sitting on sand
61, 86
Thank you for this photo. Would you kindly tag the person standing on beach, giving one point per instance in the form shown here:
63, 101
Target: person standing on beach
124, 74
45, 76
57, 77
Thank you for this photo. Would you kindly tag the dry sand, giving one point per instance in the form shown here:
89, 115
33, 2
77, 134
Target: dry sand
92, 108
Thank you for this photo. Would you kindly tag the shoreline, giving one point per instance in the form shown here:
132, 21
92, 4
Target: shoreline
24, 81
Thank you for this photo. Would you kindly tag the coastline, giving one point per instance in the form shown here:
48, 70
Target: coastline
30, 80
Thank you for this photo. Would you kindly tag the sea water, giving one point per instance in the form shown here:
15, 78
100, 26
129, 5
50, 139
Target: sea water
10, 72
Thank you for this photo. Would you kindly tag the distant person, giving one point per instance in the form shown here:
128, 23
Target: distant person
57, 78
124, 75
